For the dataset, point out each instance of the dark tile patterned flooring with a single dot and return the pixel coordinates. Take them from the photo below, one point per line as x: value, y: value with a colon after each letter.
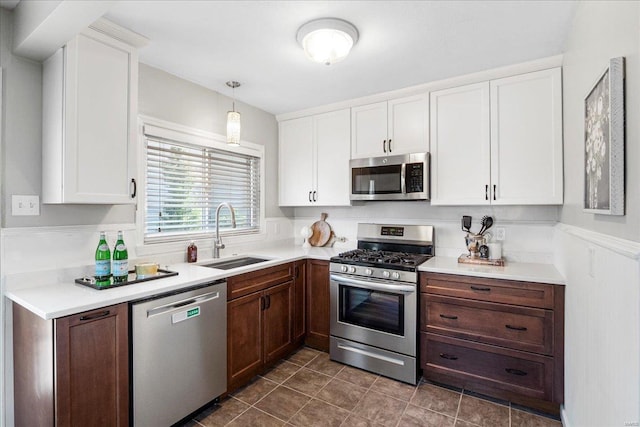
x: 308, y: 389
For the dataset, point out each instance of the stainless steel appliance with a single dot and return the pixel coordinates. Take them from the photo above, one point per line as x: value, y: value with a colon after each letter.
x: 179, y: 353
x: 374, y: 299
x: 402, y: 177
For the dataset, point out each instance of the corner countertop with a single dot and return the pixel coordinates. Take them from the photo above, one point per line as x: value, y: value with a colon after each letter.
x: 65, y: 298
x: 519, y: 271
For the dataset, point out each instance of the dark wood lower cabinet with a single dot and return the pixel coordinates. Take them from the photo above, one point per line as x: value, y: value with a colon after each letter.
x: 260, y: 325
x: 244, y: 339
x: 73, y: 370
x: 318, y: 304
x: 299, y: 303
x: 497, y: 337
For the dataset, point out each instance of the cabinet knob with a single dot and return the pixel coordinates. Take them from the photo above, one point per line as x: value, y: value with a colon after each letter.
x: 516, y: 328
x: 384, y: 145
x: 389, y: 145
x: 310, y: 197
x: 486, y: 192
x: 494, y: 191
x: 446, y: 316
x: 95, y: 315
x: 315, y: 198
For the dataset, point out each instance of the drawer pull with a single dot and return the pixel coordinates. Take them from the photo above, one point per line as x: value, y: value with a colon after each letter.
x: 446, y: 316
x: 478, y: 288
x: 448, y: 356
x: 517, y: 372
x: 516, y: 328
x: 95, y: 316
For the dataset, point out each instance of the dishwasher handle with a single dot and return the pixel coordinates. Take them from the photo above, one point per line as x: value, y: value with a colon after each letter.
x: 179, y: 304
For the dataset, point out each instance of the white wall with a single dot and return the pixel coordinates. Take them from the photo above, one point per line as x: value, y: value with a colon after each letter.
x: 601, y: 30
x: 602, y: 329
x: 165, y: 96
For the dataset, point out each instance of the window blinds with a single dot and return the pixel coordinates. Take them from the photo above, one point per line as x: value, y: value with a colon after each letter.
x: 186, y: 183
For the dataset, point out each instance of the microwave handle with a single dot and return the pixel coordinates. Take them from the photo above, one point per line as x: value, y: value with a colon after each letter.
x: 403, y: 181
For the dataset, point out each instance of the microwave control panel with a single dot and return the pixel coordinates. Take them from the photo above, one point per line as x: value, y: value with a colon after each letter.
x: 414, y: 177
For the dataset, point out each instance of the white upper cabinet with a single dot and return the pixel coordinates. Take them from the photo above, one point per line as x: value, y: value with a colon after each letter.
x: 460, y: 166
x: 89, y: 116
x: 398, y: 126
x: 498, y: 142
x: 526, y: 139
x: 314, y: 160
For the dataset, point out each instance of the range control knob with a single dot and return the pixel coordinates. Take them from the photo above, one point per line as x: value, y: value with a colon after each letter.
x: 352, y: 269
x: 368, y: 271
x: 386, y: 274
x: 344, y: 268
x: 395, y: 275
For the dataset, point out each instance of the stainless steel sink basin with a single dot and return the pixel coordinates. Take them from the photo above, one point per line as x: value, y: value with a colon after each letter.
x: 235, y: 262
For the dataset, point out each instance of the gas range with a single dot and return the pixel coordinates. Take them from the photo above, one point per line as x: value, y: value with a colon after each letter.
x: 374, y: 299
x: 387, y: 251
x: 382, y: 259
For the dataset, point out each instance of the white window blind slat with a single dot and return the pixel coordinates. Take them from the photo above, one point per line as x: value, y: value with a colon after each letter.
x: 185, y: 184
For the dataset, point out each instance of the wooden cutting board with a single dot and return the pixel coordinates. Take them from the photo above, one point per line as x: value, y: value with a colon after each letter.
x: 320, y: 232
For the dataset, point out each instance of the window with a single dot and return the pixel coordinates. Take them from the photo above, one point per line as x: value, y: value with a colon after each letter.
x: 185, y: 183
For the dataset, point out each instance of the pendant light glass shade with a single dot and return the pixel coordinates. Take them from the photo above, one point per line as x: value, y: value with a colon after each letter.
x: 233, y: 128
x: 327, y: 40
x: 233, y: 119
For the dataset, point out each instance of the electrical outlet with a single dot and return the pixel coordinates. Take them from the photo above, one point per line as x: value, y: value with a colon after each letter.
x: 25, y: 205
x: 500, y: 233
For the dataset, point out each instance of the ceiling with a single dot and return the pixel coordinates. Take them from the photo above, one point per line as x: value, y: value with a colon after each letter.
x: 402, y: 43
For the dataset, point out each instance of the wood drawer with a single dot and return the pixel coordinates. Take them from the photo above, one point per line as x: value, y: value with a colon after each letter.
x: 494, y: 290
x: 486, y: 365
x: 520, y: 328
x: 245, y: 284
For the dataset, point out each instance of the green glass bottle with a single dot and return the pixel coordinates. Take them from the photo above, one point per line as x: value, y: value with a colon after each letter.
x: 103, y: 262
x: 120, y: 261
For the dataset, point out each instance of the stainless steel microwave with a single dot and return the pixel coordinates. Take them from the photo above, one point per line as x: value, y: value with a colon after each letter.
x: 402, y: 177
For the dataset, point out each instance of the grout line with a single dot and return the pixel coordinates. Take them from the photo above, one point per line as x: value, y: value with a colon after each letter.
x: 231, y: 397
x: 509, y: 413
x: 455, y: 419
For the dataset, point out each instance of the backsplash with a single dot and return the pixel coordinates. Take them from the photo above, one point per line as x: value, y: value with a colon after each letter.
x: 42, y: 255
x: 528, y: 229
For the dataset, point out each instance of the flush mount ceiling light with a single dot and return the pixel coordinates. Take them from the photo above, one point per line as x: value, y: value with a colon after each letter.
x: 327, y: 40
x: 233, y: 119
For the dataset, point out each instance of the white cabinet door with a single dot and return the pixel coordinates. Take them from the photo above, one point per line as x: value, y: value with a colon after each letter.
x: 332, y: 139
x: 408, y: 125
x: 90, y: 98
x: 369, y: 131
x: 460, y: 165
x: 296, y: 162
x: 526, y: 139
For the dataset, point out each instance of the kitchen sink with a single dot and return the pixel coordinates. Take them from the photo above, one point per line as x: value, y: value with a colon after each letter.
x: 235, y: 262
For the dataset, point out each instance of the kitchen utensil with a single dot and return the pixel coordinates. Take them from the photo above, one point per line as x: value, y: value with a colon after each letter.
x: 487, y: 222
x: 320, y: 232
x: 466, y: 223
x: 305, y: 232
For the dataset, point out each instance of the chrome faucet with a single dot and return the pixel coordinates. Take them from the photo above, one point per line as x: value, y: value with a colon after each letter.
x: 217, y: 243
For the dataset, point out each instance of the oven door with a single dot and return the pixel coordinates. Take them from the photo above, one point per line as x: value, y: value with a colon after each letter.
x: 374, y: 312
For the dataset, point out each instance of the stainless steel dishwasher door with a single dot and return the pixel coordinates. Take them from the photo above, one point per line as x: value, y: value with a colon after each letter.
x: 179, y: 354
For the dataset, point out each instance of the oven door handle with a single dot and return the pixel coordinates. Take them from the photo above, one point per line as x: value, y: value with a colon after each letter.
x: 371, y: 284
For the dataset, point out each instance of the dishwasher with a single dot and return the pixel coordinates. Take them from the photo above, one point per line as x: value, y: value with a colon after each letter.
x: 179, y: 357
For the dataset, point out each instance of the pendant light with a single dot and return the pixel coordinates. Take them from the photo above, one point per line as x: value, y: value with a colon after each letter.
x: 327, y: 40
x: 233, y: 119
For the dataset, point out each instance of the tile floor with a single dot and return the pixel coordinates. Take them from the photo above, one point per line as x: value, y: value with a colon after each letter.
x: 308, y: 389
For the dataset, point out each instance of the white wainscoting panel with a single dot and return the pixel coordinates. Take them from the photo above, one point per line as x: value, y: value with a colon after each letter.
x: 602, y: 327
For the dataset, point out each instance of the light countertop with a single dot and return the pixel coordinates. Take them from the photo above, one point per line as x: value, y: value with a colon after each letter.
x: 519, y: 271
x: 65, y: 298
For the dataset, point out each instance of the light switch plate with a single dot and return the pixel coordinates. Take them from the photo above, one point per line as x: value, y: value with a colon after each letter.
x: 25, y: 205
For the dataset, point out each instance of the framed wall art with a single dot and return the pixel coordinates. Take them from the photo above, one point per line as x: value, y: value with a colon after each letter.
x: 604, y: 142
